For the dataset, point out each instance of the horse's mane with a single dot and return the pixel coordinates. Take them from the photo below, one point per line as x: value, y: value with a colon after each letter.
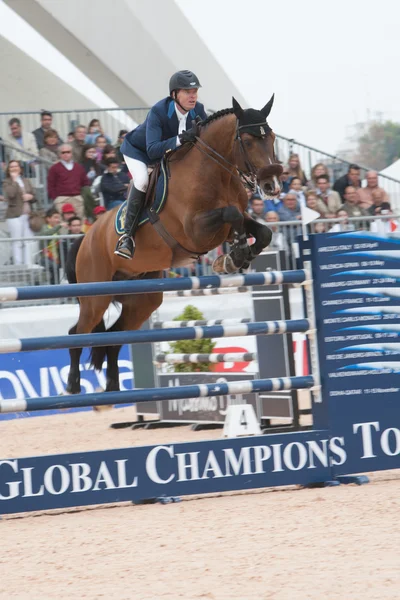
x: 217, y: 115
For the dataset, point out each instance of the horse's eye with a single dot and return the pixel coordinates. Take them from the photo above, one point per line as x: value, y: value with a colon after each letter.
x: 248, y: 143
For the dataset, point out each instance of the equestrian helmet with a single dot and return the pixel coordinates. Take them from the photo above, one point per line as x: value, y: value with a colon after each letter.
x: 183, y: 80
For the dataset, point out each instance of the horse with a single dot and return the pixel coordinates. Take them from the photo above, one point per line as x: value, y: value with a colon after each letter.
x: 206, y: 206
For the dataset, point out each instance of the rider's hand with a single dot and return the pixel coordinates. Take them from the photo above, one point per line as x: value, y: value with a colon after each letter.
x: 187, y: 136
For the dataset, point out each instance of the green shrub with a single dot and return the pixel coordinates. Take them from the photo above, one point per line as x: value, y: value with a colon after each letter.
x: 191, y: 313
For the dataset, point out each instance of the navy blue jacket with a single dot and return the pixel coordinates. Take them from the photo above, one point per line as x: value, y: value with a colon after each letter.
x: 113, y: 187
x: 150, y: 140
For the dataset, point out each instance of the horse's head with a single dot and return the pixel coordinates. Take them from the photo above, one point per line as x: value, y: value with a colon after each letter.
x: 254, y: 147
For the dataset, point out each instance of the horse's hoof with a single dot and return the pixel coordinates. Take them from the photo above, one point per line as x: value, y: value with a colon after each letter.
x: 224, y: 264
x: 102, y: 408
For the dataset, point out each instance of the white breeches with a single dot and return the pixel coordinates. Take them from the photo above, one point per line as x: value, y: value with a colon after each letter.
x: 138, y: 170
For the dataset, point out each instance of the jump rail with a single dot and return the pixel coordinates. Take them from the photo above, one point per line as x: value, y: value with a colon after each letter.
x: 207, y: 292
x: 141, y: 286
x: 165, y: 393
x: 118, y: 338
x: 174, y: 359
x: 178, y: 324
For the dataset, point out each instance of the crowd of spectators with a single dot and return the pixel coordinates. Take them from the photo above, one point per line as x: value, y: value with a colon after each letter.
x: 86, y: 176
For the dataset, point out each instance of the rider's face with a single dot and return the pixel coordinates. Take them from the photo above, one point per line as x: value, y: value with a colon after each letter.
x: 187, y: 98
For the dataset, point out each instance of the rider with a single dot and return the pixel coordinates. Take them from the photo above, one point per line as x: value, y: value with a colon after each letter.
x: 167, y: 125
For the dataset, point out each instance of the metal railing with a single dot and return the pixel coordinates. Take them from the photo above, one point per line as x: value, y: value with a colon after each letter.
x: 43, y: 270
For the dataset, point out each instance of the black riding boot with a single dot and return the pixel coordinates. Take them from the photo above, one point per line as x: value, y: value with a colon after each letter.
x: 125, y: 245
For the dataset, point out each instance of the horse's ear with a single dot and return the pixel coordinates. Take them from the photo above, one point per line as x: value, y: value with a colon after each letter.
x: 237, y: 109
x: 267, y: 108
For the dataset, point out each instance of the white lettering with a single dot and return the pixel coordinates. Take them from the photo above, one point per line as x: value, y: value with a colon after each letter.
x: 27, y: 478
x: 15, y: 382
x: 104, y: 476
x: 213, y: 466
x: 151, y: 468
x: 287, y: 456
x: 321, y: 453
x: 231, y: 461
x: 261, y: 454
x: 277, y: 457
x: 385, y: 445
x: 366, y: 437
x: 49, y: 483
x: 121, y: 468
x: 81, y: 482
x: 13, y: 486
x: 192, y: 466
x: 338, y: 451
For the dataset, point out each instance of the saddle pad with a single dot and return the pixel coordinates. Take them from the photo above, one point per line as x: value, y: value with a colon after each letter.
x: 160, y: 200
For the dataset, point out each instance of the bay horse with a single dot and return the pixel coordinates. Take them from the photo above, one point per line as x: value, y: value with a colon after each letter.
x: 206, y: 206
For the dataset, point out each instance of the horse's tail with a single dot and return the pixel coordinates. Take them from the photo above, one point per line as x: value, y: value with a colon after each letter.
x: 70, y: 265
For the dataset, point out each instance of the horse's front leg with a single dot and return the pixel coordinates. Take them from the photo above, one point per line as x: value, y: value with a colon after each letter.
x: 232, y: 262
x: 262, y: 235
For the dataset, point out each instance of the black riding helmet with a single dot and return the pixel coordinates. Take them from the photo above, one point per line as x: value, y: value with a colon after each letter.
x: 183, y: 80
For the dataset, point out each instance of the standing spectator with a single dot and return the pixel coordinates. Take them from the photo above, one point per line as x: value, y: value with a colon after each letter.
x: 114, y: 184
x: 49, y: 259
x: 120, y: 139
x: 316, y: 171
x: 351, y: 179
x: 94, y: 130
x: 89, y: 162
x: 295, y: 169
x: 284, y: 179
x: 365, y: 193
x: 379, y: 201
x: 74, y: 227
x: 20, y: 140
x: 78, y: 143
x: 49, y: 149
x: 19, y: 196
x: 100, y: 144
x: 278, y: 241
x: 351, y: 203
x: 330, y: 198
x: 313, y: 202
x: 257, y: 208
x: 290, y: 209
x: 46, y: 120
x: 66, y: 180
x: 297, y: 190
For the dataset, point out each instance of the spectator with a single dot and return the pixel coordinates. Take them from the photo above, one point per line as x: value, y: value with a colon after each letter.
x: 319, y: 227
x: 100, y: 144
x: 379, y: 201
x: 278, y: 241
x: 313, y: 202
x: 330, y: 198
x: 98, y: 211
x: 70, y: 137
x: 49, y: 259
x: 351, y: 179
x: 120, y: 139
x: 66, y: 180
x: 114, y: 184
x: 74, y: 227
x: 20, y: 140
x: 46, y: 120
x: 284, y: 179
x: 94, y: 130
x: 290, y: 209
x: 295, y: 169
x: 19, y: 196
x: 78, y: 143
x: 89, y: 163
x: 316, y: 171
x: 365, y: 194
x: 49, y: 148
x: 257, y: 208
x: 67, y: 213
x: 344, y: 225
x: 386, y: 225
x: 108, y: 152
x: 351, y: 205
x: 297, y: 190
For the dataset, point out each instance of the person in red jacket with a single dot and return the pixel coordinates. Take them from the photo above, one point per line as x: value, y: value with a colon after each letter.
x: 65, y: 181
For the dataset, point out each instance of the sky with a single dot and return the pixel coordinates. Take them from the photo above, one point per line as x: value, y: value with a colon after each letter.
x: 330, y: 64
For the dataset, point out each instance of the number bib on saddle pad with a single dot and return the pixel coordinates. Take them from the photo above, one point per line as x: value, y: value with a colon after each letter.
x: 158, y: 204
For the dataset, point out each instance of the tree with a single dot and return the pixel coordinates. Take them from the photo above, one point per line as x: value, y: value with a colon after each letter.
x: 378, y: 144
x: 202, y: 346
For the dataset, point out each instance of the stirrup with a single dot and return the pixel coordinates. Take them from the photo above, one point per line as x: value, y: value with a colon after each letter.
x: 125, y: 252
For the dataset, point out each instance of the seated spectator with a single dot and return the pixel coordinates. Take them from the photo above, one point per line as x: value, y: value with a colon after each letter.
x: 100, y: 144
x: 89, y: 162
x: 46, y: 120
x: 351, y: 203
x: 78, y: 143
x: 114, y: 184
x: 319, y: 227
x: 98, y: 211
x: 366, y: 193
x: 290, y: 209
x: 295, y: 169
x: 297, y: 190
x: 313, y: 202
x: 19, y: 140
x: 278, y: 241
x: 19, y: 196
x: 94, y: 130
x: 67, y: 213
x: 316, y: 171
x: 284, y: 179
x: 257, y: 208
x: 330, y: 198
x: 108, y: 152
x: 379, y: 201
x: 344, y: 224
x: 49, y: 148
x: 49, y: 259
x: 351, y: 179
x: 66, y: 180
x: 120, y: 139
x: 74, y: 227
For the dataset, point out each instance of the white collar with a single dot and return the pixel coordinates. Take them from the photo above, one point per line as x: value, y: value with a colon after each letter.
x: 181, y: 116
